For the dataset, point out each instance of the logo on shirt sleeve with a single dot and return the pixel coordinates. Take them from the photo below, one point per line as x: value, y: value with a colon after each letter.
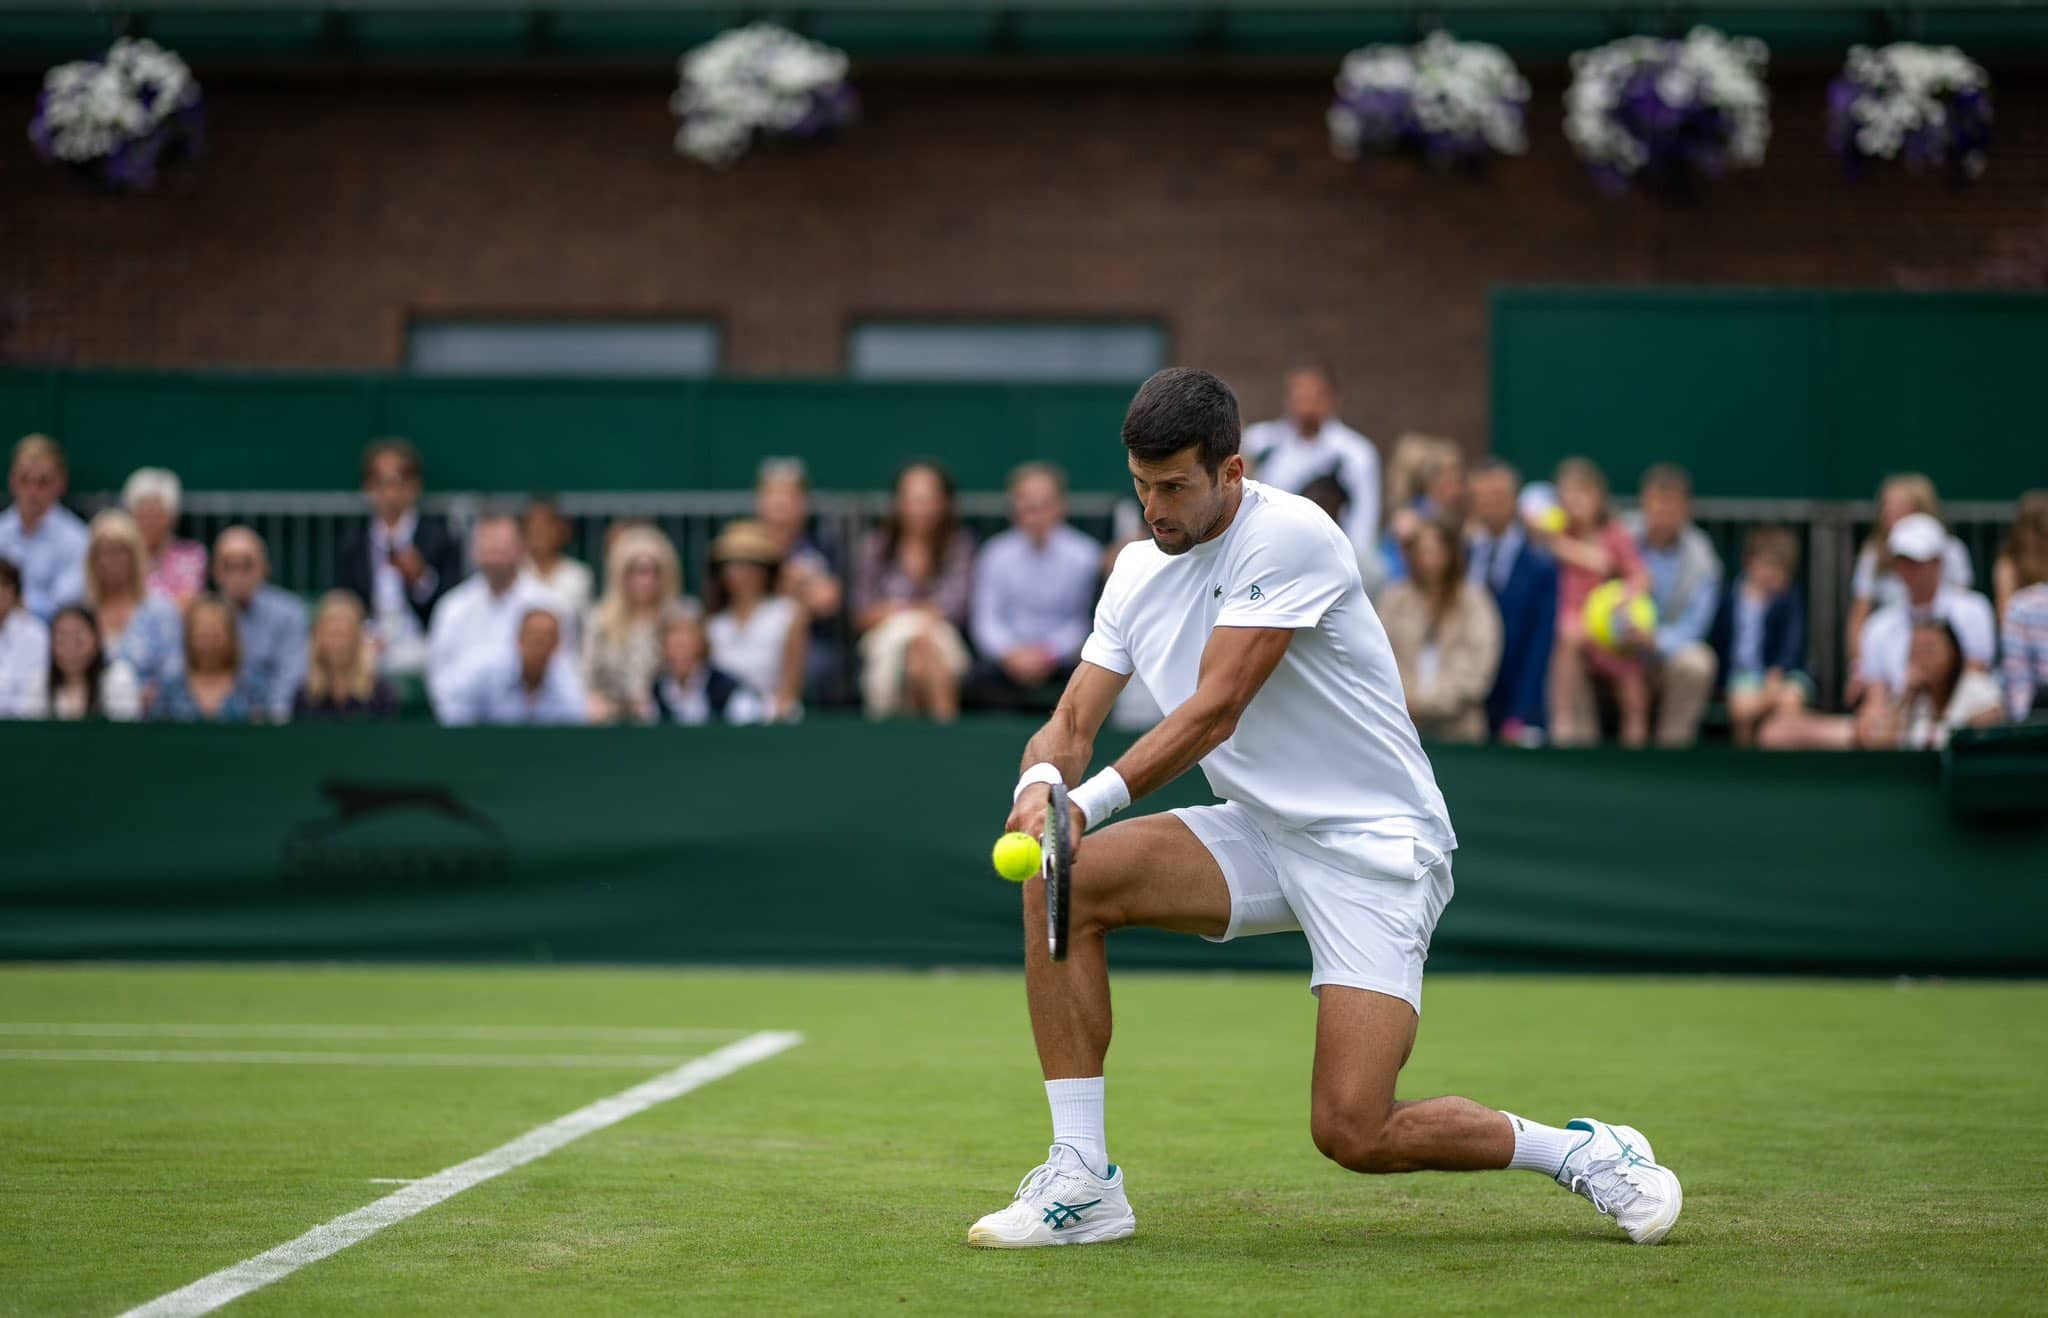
x: 1255, y: 591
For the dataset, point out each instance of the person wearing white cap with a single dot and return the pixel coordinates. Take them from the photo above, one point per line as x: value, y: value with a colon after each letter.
x: 1873, y: 584
x: 1919, y: 546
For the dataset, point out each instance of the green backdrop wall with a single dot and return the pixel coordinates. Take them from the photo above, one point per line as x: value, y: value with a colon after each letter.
x: 850, y: 843
x: 1777, y: 392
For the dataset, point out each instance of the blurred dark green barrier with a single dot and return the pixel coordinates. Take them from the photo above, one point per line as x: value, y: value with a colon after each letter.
x: 841, y: 842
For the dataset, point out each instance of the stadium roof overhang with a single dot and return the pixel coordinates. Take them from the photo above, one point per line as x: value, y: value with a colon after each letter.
x: 644, y: 32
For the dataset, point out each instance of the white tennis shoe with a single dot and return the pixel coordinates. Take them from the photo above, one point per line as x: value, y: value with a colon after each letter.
x: 1616, y: 1170
x: 1061, y: 1202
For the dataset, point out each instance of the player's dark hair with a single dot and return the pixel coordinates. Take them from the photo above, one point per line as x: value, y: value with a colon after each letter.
x: 1181, y: 407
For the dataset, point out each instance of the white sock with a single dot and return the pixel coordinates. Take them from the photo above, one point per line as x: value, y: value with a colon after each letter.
x: 1541, y: 1148
x: 1077, y: 1119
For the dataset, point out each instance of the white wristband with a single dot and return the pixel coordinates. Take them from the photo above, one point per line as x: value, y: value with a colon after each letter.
x: 1041, y: 772
x: 1101, y: 796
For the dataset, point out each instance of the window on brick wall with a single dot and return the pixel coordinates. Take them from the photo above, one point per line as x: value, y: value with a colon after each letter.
x: 563, y: 347
x: 1005, y: 350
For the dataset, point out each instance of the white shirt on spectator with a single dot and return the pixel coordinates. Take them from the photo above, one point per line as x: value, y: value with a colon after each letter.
x: 1037, y: 595
x: 1884, y: 588
x: 571, y: 581
x: 473, y: 627
x: 1282, y: 457
x: 752, y: 651
x: 495, y: 693
x: 1888, y: 635
x: 1974, y: 694
x: 24, y: 665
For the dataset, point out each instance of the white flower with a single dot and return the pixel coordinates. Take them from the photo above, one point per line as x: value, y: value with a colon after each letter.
x: 1706, y: 68
x: 93, y: 108
x: 1904, y: 88
x: 757, y: 78
x: 1465, y: 90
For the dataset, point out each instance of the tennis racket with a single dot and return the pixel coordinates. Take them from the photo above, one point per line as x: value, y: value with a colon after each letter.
x: 1057, y: 865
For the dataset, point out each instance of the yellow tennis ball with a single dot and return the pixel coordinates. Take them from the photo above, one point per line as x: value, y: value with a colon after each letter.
x: 1017, y: 856
x: 1553, y: 519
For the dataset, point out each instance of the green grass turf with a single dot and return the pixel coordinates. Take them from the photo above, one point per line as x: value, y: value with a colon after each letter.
x: 1845, y: 1148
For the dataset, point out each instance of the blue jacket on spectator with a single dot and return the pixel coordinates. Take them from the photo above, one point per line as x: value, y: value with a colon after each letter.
x: 1524, y: 583
x: 1783, y: 641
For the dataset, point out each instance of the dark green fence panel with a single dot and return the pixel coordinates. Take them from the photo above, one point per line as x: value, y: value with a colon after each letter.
x: 1776, y: 393
x: 849, y: 843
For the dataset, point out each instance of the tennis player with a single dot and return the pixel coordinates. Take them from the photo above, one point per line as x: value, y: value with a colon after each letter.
x: 1245, y: 616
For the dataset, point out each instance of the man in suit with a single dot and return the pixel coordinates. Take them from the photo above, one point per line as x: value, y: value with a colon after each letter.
x: 1523, y: 580
x: 399, y: 562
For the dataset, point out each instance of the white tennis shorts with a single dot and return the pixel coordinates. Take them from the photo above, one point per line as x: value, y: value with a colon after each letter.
x: 1368, y: 902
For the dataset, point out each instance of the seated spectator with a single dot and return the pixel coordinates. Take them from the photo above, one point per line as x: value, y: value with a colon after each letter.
x: 272, y: 622
x: 1685, y: 585
x: 545, y: 532
x: 1938, y: 694
x: 1523, y: 580
x: 83, y: 683
x: 2023, y: 634
x: 400, y: 562
x: 810, y: 574
x: 1760, y: 634
x: 1875, y: 584
x: 533, y: 683
x: 910, y: 599
x: 688, y: 690
x: 1034, y: 596
x: 24, y: 651
x: 212, y: 687
x: 137, y: 627
x: 177, y: 568
x: 477, y: 623
x: 643, y: 580
x: 1425, y: 481
x: 1446, y: 636
x: 1309, y: 442
x: 1591, y: 549
x: 38, y: 534
x: 341, y: 683
x: 1919, y: 555
x: 756, y: 634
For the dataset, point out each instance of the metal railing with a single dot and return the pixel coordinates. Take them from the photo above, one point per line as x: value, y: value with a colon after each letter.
x: 304, y: 530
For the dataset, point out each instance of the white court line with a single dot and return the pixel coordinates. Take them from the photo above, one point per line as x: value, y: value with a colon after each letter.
x: 556, y: 1033
x: 279, y: 1057
x: 230, y: 1284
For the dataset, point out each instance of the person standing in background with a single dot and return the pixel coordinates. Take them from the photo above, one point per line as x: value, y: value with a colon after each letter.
x: 341, y: 667
x: 1446, y: 635
x: 1876, y: 582
x: 400, y: 562
x: 1523, y: 580
x: 271, y: 622
x: 545, y: 533
x: 1685, y: 585
x: 1308, y: 442
x: 1034, y: 596
x: 177, y: 568
x: 911, y: 597
x: 2023, y: 610
x: 38, y: 534
x: 24, y: 651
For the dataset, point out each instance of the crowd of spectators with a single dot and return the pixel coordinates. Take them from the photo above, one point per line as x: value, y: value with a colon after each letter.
x: 1521, y: 613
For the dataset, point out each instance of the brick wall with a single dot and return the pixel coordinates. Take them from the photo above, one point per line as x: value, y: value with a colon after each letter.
x: 329, y: 210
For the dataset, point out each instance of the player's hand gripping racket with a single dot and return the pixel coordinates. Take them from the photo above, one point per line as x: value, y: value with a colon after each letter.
x: 1057, y: 865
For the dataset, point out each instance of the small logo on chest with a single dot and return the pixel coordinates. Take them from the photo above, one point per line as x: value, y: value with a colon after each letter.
x: 1219, y: 592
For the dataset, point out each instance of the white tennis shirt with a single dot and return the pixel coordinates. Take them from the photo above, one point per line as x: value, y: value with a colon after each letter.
x: 1326, y: 747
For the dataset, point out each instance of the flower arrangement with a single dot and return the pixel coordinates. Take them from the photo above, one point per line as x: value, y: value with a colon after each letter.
x: 1668, y: 113
x: 758, y: 79
x: 1442, y: 100
x: 121, y: 117
x: 1931, y: 104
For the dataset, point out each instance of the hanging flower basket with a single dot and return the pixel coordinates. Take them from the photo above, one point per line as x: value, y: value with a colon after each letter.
x: 1665, y: 115
x: 1927, y: 105
x: 121, y: 119
x: 1442, y: 101
x: 758, y: 81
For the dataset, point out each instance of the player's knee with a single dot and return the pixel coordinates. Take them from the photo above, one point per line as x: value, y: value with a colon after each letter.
x: 1356, y: 1142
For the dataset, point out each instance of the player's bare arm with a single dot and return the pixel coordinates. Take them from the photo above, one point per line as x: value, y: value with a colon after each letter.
x: 1067, y: 741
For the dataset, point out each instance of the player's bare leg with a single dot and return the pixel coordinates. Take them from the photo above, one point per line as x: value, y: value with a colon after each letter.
x: 1148, y: 871
x: 1362, y: 1041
